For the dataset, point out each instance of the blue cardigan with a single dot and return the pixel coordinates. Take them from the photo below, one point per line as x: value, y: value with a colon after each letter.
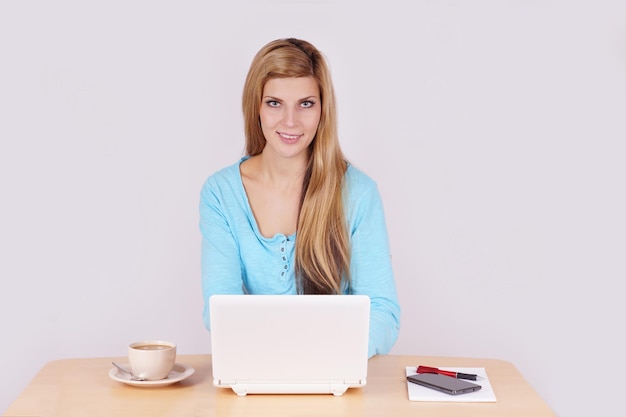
x: 237, y: 259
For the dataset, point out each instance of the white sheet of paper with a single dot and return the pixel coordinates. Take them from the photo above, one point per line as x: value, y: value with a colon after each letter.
x: 484, y: 395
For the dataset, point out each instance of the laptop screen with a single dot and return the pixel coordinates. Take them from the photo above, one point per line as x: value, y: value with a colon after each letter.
x: 286, y: 343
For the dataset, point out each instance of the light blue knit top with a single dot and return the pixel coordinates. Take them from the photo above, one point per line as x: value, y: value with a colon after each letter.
x: 237, y: 259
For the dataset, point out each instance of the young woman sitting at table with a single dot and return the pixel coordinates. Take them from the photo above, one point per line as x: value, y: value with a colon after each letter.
x: 293, y: 216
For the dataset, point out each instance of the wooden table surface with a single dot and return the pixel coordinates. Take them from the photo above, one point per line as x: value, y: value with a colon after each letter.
x: 82, y: 387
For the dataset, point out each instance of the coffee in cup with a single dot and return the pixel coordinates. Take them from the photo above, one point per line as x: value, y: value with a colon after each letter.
x: 152, y: 359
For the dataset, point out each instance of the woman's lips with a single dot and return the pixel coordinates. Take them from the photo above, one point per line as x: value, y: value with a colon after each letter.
x: 288, y: 138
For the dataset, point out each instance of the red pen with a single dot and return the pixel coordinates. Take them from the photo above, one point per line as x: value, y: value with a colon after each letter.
x: 458, y: 375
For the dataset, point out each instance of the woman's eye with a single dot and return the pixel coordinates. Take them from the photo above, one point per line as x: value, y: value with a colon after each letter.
x: 273, y: 103
x: 307, y: 103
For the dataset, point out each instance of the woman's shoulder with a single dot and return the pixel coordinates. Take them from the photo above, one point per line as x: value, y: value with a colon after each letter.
x: 362, y: 197
x: 357, y: 180
x: 226, y: 175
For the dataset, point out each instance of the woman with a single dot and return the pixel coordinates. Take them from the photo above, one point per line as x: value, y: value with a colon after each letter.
x: 293, y: 216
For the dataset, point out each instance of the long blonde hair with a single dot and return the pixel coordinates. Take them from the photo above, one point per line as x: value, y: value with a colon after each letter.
x: 322, y: 263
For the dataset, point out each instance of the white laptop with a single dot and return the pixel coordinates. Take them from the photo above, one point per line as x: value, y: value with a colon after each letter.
x: 289, y: 344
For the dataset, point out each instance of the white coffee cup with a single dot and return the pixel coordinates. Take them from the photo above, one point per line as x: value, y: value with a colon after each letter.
x: 152, y: 359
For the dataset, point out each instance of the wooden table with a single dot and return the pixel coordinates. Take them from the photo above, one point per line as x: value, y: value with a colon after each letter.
x: 82, y: 387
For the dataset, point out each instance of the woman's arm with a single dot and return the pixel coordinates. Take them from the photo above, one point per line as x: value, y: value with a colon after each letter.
x: 220, y: 260
x: 371, y: 270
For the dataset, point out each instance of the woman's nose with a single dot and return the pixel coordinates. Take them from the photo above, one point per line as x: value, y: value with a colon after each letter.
x: 289, y: 117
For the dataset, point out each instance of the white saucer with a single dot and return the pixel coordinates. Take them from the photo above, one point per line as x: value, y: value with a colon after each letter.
x: 178, y: 373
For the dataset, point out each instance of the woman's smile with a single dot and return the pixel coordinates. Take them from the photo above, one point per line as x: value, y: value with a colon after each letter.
x: 287, y: 138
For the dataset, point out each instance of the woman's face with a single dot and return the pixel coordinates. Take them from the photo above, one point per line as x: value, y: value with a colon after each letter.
x: 290, y: 113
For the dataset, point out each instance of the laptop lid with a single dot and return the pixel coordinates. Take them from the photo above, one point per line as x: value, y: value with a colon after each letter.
x: 289, y: 343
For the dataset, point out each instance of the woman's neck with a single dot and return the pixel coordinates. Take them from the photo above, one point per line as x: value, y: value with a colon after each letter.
x: 282, y: 173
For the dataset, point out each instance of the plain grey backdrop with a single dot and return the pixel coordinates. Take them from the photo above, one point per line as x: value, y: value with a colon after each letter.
x: 494, y: 129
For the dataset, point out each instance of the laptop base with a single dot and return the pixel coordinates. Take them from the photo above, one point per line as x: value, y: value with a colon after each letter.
x: 334, y: 388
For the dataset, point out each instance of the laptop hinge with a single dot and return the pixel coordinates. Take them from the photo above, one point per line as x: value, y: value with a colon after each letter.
x: 222, y: 382
x: 354, y: 382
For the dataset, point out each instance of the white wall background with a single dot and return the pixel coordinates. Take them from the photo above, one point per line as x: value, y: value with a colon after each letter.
x: 495, y: 130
